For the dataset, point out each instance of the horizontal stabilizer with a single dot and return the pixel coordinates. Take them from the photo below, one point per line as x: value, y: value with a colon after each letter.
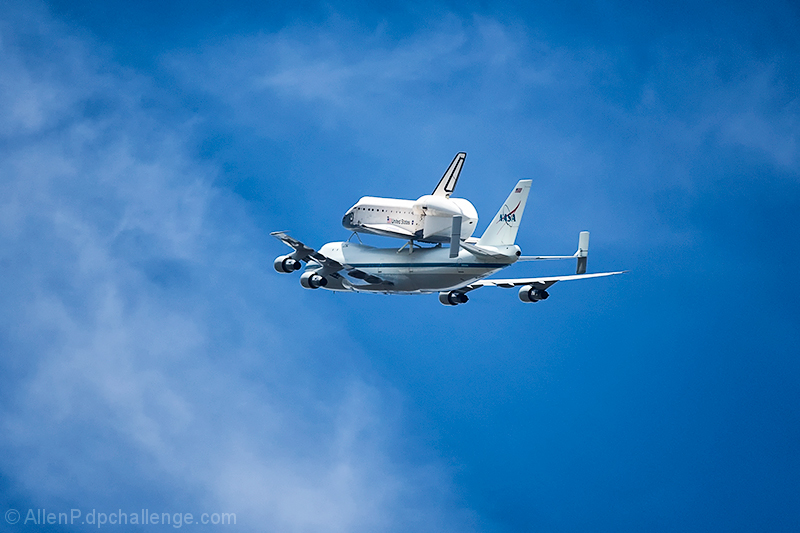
x: 544, y: 257
x: 582, y: 254
x: 482, y: 252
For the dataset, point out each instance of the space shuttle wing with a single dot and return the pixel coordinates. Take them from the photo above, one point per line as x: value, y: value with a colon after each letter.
x: 389, y: 229
x: 330, y: 267
x: 538, y: 283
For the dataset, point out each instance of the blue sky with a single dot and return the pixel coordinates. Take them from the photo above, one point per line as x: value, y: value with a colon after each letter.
x: 151, y: 357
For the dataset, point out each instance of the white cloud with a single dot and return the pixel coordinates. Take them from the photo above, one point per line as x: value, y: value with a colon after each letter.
x: 151, y: 365
x: 696, y: 98
x: 749, y: 117
x: 568, y: 114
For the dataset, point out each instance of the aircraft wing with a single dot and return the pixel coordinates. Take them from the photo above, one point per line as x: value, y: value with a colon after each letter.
x: 301, y: 251
x: 330, y: 267
x: 539, y: 283
x: 389, y: 228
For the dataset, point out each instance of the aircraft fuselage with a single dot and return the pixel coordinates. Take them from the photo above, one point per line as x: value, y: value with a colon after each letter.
x: 423, y: 270
x: 427, y: 219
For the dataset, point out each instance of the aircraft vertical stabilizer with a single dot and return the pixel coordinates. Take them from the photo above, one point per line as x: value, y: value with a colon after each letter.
x: 448, y: 182
x: 504, y: 226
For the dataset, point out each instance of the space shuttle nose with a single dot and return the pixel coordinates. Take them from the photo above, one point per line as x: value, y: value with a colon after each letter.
x: 347, y: 221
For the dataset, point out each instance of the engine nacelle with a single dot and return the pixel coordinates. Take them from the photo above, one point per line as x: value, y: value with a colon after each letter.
x: 529, y: 293
x: 312, y: 280
x: 453, y: 298
x: 286, y: 264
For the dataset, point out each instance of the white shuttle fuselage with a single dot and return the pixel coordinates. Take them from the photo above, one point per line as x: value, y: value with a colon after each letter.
x: 427, y: 219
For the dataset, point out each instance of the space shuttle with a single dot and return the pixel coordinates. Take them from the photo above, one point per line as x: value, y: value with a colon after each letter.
x: 431, y: 218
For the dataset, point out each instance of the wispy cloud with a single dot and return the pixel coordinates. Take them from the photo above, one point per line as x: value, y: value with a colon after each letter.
x: 151, y: 357
x: 147, y: 361
x: 581, y: 120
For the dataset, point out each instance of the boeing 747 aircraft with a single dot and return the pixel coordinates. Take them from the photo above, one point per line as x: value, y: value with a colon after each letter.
x: 452, y: 272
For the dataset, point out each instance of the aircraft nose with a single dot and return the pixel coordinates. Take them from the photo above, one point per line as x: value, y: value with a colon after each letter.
x: 347, y: 220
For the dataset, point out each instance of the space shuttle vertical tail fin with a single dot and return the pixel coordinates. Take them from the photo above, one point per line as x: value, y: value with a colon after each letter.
x: 583, y: 252
x: 503, y: 228
x: 448, y: 182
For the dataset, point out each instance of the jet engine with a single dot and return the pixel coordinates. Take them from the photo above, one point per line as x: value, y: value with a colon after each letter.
x: 286, y: 264
x: 453, y: 298
x: 529, y: 293
x: 312, y: 280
